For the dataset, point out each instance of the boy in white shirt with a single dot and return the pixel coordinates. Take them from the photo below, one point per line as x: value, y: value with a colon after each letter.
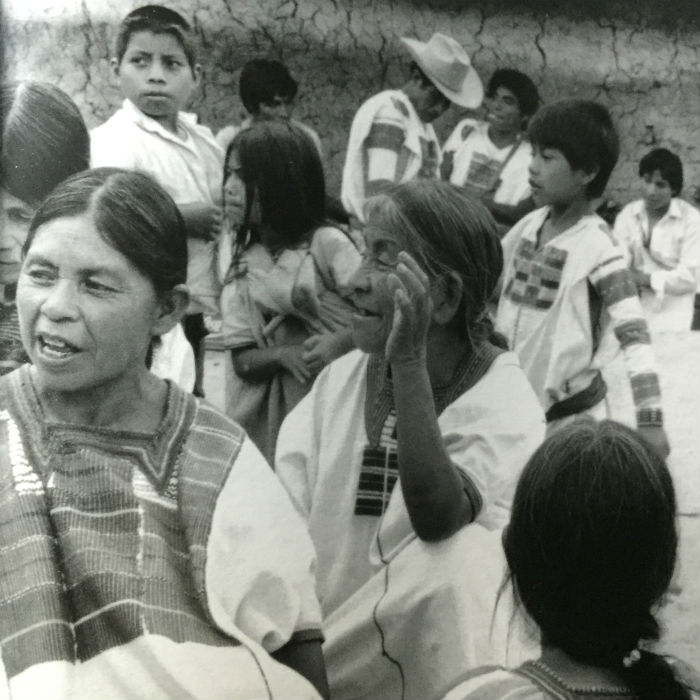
x: 661, y: 233
x: 562, y: 272
x: 157, y: 71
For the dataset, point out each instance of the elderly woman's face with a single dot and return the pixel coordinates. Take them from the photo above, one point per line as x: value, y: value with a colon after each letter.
x: 86, y: 313
x: 371, y: 293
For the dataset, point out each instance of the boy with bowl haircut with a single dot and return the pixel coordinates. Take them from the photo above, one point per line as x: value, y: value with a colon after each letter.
x: 562, y: 270
x: 661, y: 233
x: 155, y: 65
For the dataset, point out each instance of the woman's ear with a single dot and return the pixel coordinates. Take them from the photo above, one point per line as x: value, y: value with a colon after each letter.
x: 171, y: 308
x: 447, y: 295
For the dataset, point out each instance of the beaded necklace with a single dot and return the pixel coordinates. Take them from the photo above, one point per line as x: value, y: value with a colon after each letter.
x: 537, y: 669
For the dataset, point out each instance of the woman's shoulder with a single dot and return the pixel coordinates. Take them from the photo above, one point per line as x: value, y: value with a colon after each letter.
x: 493, y: 683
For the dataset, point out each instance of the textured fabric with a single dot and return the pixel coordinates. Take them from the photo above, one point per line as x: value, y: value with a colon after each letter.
x: 529, y: 682
x: 189, y: 166
x: 545, y: 309
x: 473, y: 161
x: 116, y: 545
x: 670, y: 254
x: 12, y: 353
x: 283, y: 301
x: 388, y: 143
x: 489, y: 432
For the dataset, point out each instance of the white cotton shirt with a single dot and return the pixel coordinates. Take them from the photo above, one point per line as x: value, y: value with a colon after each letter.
x: 489, y: 433
x: 189, y: 166
x: 476, y: 160
x: 671, y: 257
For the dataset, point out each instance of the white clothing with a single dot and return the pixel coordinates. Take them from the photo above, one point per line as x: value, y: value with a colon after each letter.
x: 402, y: 615
x: 173, y: 358
x: 388, y: 143
x: 189, y: 166
x: 545, y: 308
x: 670, y: 254
x: 476, y: 162
x: 489, y: 432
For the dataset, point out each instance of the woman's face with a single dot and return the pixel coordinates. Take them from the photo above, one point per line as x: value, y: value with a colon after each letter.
x: 371, y: 292
x: 15, y: 216
x: 234, y: 191
x: 87, y: 315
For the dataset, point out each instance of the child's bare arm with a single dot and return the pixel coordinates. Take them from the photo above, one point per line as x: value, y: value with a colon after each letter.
x: 258, y: 364
x: 203, y: 221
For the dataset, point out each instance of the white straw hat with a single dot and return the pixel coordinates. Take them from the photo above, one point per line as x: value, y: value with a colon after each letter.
x: 448, y: 66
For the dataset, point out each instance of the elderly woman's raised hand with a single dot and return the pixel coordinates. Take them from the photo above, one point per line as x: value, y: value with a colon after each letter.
x: 412, y: 312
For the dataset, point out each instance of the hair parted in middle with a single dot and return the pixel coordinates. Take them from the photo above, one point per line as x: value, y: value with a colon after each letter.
x: 132, y: 213
x: 281, y: 169
x: 583, y: 131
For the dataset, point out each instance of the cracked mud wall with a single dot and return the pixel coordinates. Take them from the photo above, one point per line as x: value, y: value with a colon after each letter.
x: 644, y: 66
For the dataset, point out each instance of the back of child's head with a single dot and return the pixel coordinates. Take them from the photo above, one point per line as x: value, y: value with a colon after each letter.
x: 520, y: 85
x: 446, y: 230
x: 668, y: 165
x: 44, y: 139
x: 132, y: 213
x: 591, y: 548
x: 262, y: 80
x: 157, y: 20
x: 584, y: 133
x: 282, y: 170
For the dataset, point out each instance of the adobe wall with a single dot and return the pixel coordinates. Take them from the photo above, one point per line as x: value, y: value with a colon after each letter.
x: 644, y: 66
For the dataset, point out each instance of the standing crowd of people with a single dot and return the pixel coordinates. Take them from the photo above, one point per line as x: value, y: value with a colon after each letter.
x: 415, y: 489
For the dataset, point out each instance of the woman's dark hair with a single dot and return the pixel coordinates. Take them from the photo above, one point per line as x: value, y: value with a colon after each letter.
x: 281, y: 169
x: 520, y: 85
x: 263, y: 79
x: 591, y: 548
x: 132, y: 213
x: 44, y: 139
x: 667, y: 163
x: 446, y: 230
x: 584, y: 133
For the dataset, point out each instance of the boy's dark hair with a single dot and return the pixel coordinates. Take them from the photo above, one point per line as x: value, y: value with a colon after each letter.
x: 591, y: 548
x: 520, y: 85
x: 584, y: 133
x: 262, y: 80
x: 158, y: 20
x: 281, y: 169
x: 667, y: 163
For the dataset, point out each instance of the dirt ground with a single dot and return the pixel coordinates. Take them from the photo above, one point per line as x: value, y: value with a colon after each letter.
x: 679, y: 362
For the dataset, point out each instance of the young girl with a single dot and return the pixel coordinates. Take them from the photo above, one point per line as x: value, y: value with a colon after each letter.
x: 284, y: 311
x: 44, y: 141
x: 591, y: 548
x: 404, y: 456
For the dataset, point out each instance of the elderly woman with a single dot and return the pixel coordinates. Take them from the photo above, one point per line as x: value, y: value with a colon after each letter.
x: 138, y: 523
x: 404, y: 456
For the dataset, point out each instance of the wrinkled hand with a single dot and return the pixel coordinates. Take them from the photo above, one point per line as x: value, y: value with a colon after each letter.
x: 203, y: 221
x: 657, y: 438
x: 320, y: 350
x: 413, y: 307
x: 290, y: 358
